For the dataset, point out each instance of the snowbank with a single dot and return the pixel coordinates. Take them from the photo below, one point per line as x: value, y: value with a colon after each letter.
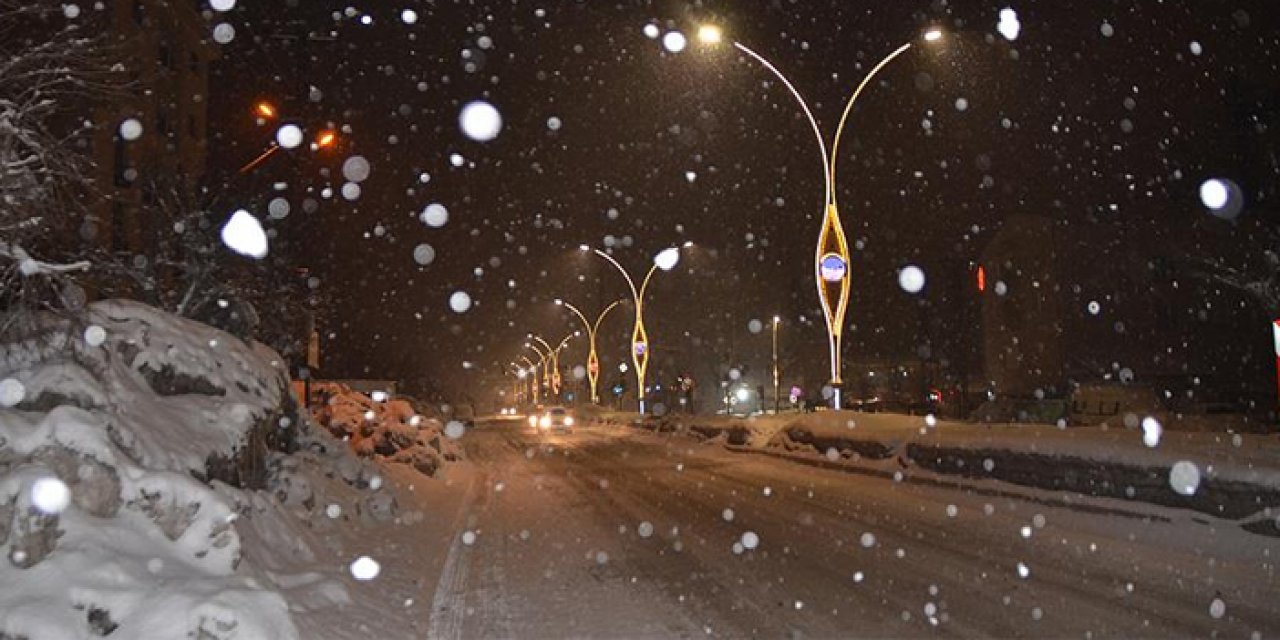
x: 390, y: 429
x: 155, y: 482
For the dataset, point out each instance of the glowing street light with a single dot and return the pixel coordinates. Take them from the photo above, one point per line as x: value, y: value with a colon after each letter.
x: 551, y: 358
x: 531, y: 372
x: 709, y: 34
x: 543, y: 360
x: 831, y: 257
x: 517, y: 374
x: 324, y: 140
x: 265, y: 110
x: 555, y: 364
x: 593, y: 361
x: 666, y: 260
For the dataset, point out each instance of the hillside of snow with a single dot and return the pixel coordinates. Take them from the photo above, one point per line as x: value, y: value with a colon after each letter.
x: 156, y: 481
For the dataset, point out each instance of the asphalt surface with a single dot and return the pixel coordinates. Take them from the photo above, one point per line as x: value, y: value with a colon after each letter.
x: 607, y: 532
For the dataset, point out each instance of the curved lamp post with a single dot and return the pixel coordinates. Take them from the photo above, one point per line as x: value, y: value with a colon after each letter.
x: 517, y: 378
x: 665, y: 260
x: 549, y: 370
x: 777, y: 379
x: 556, y: 379
x: 551, y: 358
x: 593, y: 361
x: 531, y: 373
x: 543, y: 359
x: 831, y: 258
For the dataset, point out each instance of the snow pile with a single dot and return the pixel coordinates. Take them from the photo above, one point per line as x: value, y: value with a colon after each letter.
x: 390, y: 429
x: 110, y: 422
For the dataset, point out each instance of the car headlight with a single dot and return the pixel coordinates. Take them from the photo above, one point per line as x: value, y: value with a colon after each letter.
x: 533, y: 421
x: 568, y: 421
x: 545, y: 421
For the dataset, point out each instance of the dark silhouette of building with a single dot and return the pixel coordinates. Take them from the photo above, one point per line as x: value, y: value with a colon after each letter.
x: 164, y: 54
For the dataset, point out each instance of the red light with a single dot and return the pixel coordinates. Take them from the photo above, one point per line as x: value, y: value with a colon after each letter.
x: 1275, y: 332
x: 982, y: 279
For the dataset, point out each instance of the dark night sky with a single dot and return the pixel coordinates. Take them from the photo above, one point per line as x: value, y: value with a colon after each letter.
x: 1099, y: 115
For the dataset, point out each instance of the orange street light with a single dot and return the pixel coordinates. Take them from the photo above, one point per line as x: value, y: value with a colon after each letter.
x: 324, y: 140
x: 265, y: 110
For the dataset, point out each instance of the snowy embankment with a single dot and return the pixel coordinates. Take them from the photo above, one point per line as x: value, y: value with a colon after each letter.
x: 156, y: 482
x: 1229, y: 475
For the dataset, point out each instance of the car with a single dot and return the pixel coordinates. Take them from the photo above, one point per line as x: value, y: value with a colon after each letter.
x: 872, y: 404
x: 556, y: 419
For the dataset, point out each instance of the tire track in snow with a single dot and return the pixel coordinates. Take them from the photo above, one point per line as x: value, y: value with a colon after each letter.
x: 449, y: 605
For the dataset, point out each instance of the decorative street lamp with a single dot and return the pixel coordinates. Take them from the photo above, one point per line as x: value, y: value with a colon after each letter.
x: 665, y: 260
x: 544, y: 358
x: 547, y: 358
x: 555, y: 364
x: 593, y: 361
x: 532, y: 370
x: 550, y: 358
x: 776, y: 378
x: 517, y: 383
x: 831, y: 258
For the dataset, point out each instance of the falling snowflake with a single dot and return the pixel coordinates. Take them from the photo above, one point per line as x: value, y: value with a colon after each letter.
x: 95, y: 335
x: 480, y: 121
x: 911, y: 279
x: 460, y: 301
x: 244, y: 235
x: 365, y: 568
x: 130, y: 129
x: 434, y: 215
x: 289, y: 136
x: 674, y: 41
x: 50, y: 495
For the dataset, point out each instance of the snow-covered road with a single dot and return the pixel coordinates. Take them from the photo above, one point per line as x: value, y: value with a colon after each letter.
x: 608, y: 532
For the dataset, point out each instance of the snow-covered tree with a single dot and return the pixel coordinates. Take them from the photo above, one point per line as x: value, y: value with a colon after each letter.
x: 188, y: 270
x: 51, y: 73
x: 1258, y: 277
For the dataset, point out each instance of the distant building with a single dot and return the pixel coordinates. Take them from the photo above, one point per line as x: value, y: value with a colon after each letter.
x: 1022, y: 312
x: 1060, y: 308
x: 165, y: 52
